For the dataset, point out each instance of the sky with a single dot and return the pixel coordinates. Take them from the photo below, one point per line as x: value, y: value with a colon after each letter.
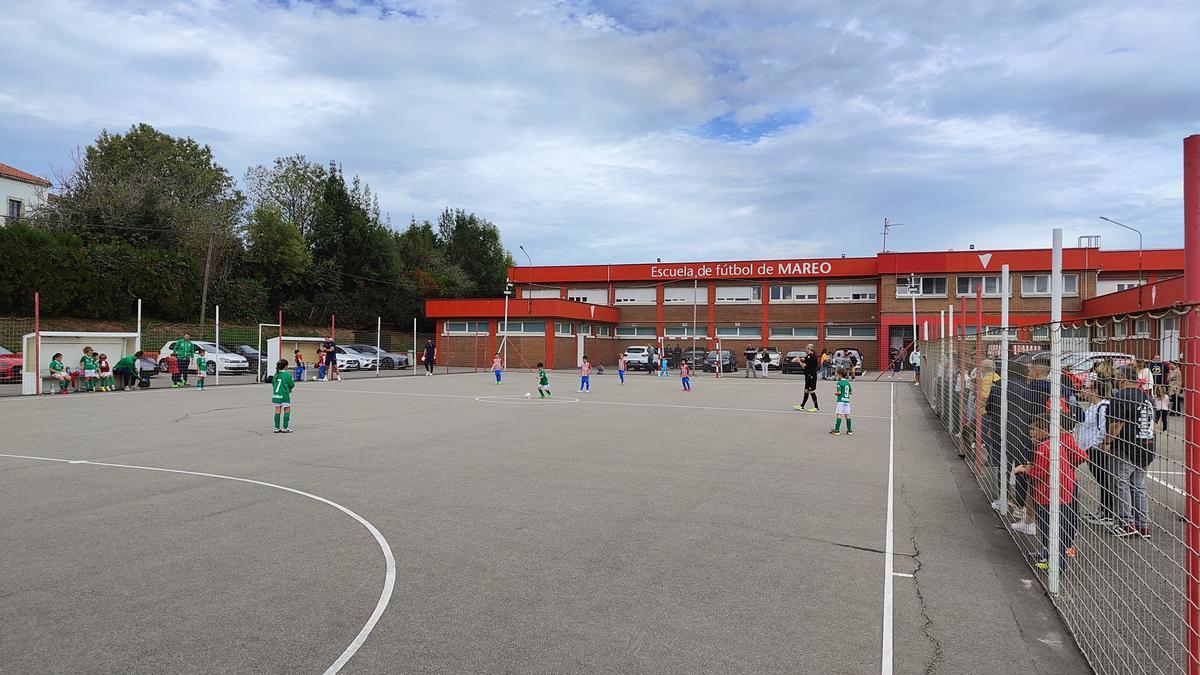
x: 612, y: 131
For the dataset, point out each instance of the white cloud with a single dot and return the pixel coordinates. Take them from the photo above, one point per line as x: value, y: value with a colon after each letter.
x: 573, y: 125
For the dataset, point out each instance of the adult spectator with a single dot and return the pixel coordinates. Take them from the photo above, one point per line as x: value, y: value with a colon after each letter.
x: 183, y: 350
x: 429, y: 357
x: 1131, y: 441
x: 915, y: 359
x: 988, y: 410
x: 126, y: 370
x: 852, y: 357
x: 1175, y: 387
x: 1022, y: 407
x: 764, y: 360
x: 678, y: 355
x: 329, y: 347
x: 751, y: 356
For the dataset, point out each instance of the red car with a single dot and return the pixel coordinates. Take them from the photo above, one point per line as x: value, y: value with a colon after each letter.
x: 10, y: 367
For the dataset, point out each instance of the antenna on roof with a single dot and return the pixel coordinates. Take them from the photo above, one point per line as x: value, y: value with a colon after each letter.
x: 888, y: 225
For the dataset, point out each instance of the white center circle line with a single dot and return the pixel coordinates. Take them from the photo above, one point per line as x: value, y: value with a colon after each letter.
x: 389, y: 578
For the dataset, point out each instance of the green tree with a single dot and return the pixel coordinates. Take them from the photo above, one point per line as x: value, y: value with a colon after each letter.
x: 292, y: 186
x: 276, y: 254
x: 474, y: 243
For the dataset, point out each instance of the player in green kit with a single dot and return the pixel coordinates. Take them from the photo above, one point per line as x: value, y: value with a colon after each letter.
x: 841, y: 408
x: 201, y: 368
x: 58, y: 371
x: 87, y: 363
x: 281, y: 395
x: 543, y: 382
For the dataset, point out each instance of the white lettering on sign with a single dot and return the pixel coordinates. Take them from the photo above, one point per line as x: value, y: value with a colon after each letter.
x: 741, y: 270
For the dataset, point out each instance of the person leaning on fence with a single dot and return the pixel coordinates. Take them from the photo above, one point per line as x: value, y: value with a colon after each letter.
x: 1090, y: 435
x: 1041, y: 492
x: 126, y: 370
x: 1131, y: 440
x: 915, y: 359
x: 1022, y: 408
x: 988, y: 411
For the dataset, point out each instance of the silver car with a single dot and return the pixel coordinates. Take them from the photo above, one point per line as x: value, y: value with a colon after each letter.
x: 387, y: 360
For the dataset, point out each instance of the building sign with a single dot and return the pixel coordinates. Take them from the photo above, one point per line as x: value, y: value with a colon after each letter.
x: 742, y: 270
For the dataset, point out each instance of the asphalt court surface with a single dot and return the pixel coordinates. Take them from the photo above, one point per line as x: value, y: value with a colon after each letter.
x: 632, y: 528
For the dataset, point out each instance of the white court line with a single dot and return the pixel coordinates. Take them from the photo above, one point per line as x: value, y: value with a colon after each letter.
x: 629, y: 403
x: 888, y: 547
x: 902, y: 574
x: 1164, y: 483
x: 1169, y: 473
x: 389, y: 578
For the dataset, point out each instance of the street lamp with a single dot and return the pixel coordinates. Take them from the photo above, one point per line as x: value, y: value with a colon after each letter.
x: 1139, y: 234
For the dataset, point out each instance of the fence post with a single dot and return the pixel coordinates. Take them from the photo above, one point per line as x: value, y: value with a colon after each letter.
x: 378, y: 342
x: 1056, y: 290
x: 979, y: 375
x: 137, y: 343
x: 941, y: 383
x: 1191, y: 378
x: 37, y: 343
x: 217, y: 339
x: 412, y: 367
x: 1005, y: 289
x: 950, y: 374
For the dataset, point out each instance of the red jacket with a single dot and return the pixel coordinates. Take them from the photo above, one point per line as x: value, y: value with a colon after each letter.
x: 1070, y: 457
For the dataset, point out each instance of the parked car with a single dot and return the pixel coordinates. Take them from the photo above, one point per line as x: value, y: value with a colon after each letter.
x: 387, y: 360
x: 841, y: 359
x: 251, y: 355
x: 695, y: 357
x: 361, y: 361
x: 728, y: 364
x: 793, y: 362
x: 10, y: 367
x: 227, y: 362
x: 637, y: 358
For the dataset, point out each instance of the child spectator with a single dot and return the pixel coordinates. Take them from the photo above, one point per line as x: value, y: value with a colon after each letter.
x: 201, y: 368
x: 281, y: 396
x: 621, y: 367
x: 497, y: 367
x: 87, y: 363
x: 1090, y: 437
x: 58, y: 371
x: 543, y: 382
x: 585, y: 375
x: 685, y: 375
x: 299, y: 365
x: 841, y: 405
x: 1040, y: 493
x: 105, y: 373
x: 662, y: 365
x: 320, y: 366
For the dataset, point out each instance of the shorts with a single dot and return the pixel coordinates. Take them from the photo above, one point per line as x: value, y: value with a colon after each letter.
x: 841, y: 409
x: 89, y: 373
x: 282, y: 404
x: 810, y: 382
x: 202, y: 374
x: 917, y: 370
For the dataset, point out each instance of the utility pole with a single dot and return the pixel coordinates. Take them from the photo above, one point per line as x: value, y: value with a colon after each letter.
x: 204, y: 291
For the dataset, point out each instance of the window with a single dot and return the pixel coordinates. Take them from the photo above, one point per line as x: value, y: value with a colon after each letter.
x: 14, y: 209
x: 794, y: 332
x: 997, y: 333
x: 797, y: 293
x: 635, y: 296
x: 931, y: 286
x: 1100, y: 332
x: 1141, y: 328
x: 1126, y: 285
x: 603, y: 331
x: 850, y: 293
x: 729, y: 295
x: 523, y: 328
x: 1039, y: 333
x: 564, y: 329
x: 593, y: 296
x: 684, y: 295
x: 1074, y: 332
x: 636, y: 331
x: 541, y: 293
x: 850, y: 332
x: 1039, y: 284
x: 1120, y: 330
x: 685, y: 331
x: 992, y: 286
x: 466, y: 328
x: 739, y: 331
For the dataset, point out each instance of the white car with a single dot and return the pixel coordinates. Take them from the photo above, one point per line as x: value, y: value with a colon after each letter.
x: 354, y: 359
x: 637, y: 358
x: 226, y: 362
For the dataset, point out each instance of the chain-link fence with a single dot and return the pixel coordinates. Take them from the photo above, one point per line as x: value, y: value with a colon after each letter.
x: 1111, y: 542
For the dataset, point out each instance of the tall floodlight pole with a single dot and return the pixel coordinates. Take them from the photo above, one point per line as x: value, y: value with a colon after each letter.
x: 504, y: 340
x: 1139, y: 234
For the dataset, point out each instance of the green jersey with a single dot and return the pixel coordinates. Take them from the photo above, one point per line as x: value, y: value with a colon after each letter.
x: 202, y: 364
x: 542, y: 379
x: 127, y: 363
x: 184, y: 349
x: 57, y: 366
x: 843, y: 391
x: 281, y: 387
x: 87, y: 362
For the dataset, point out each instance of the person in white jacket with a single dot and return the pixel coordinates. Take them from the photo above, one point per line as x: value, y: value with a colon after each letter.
x: 915, y: 359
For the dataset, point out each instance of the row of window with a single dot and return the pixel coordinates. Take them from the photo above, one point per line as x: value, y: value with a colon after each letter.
x: 568, y: 329
x: 1032, y: 285
x: 723, y: 295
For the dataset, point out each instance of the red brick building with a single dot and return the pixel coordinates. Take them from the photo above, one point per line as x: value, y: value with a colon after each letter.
x: 559, y: 312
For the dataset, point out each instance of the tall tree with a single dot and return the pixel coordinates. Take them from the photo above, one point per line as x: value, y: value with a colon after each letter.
x: 275, y: 253
x: 474, y: 243
x: 292, y: 187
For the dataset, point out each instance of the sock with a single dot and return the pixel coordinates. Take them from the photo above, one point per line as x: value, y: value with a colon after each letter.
x: 849, y: 425
x: 287, y: 416
x: 804, y: 400
x: 815, y: 404
x: 276, y: 420
x: 837, y: 424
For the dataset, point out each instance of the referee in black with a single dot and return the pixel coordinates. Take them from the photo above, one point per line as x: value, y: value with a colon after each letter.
x: 811, y: 363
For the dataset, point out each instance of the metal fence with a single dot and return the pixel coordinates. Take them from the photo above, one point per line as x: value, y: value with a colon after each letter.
x: 1115, y: 548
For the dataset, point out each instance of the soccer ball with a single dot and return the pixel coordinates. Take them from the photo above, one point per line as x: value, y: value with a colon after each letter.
x: 528, y: 395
